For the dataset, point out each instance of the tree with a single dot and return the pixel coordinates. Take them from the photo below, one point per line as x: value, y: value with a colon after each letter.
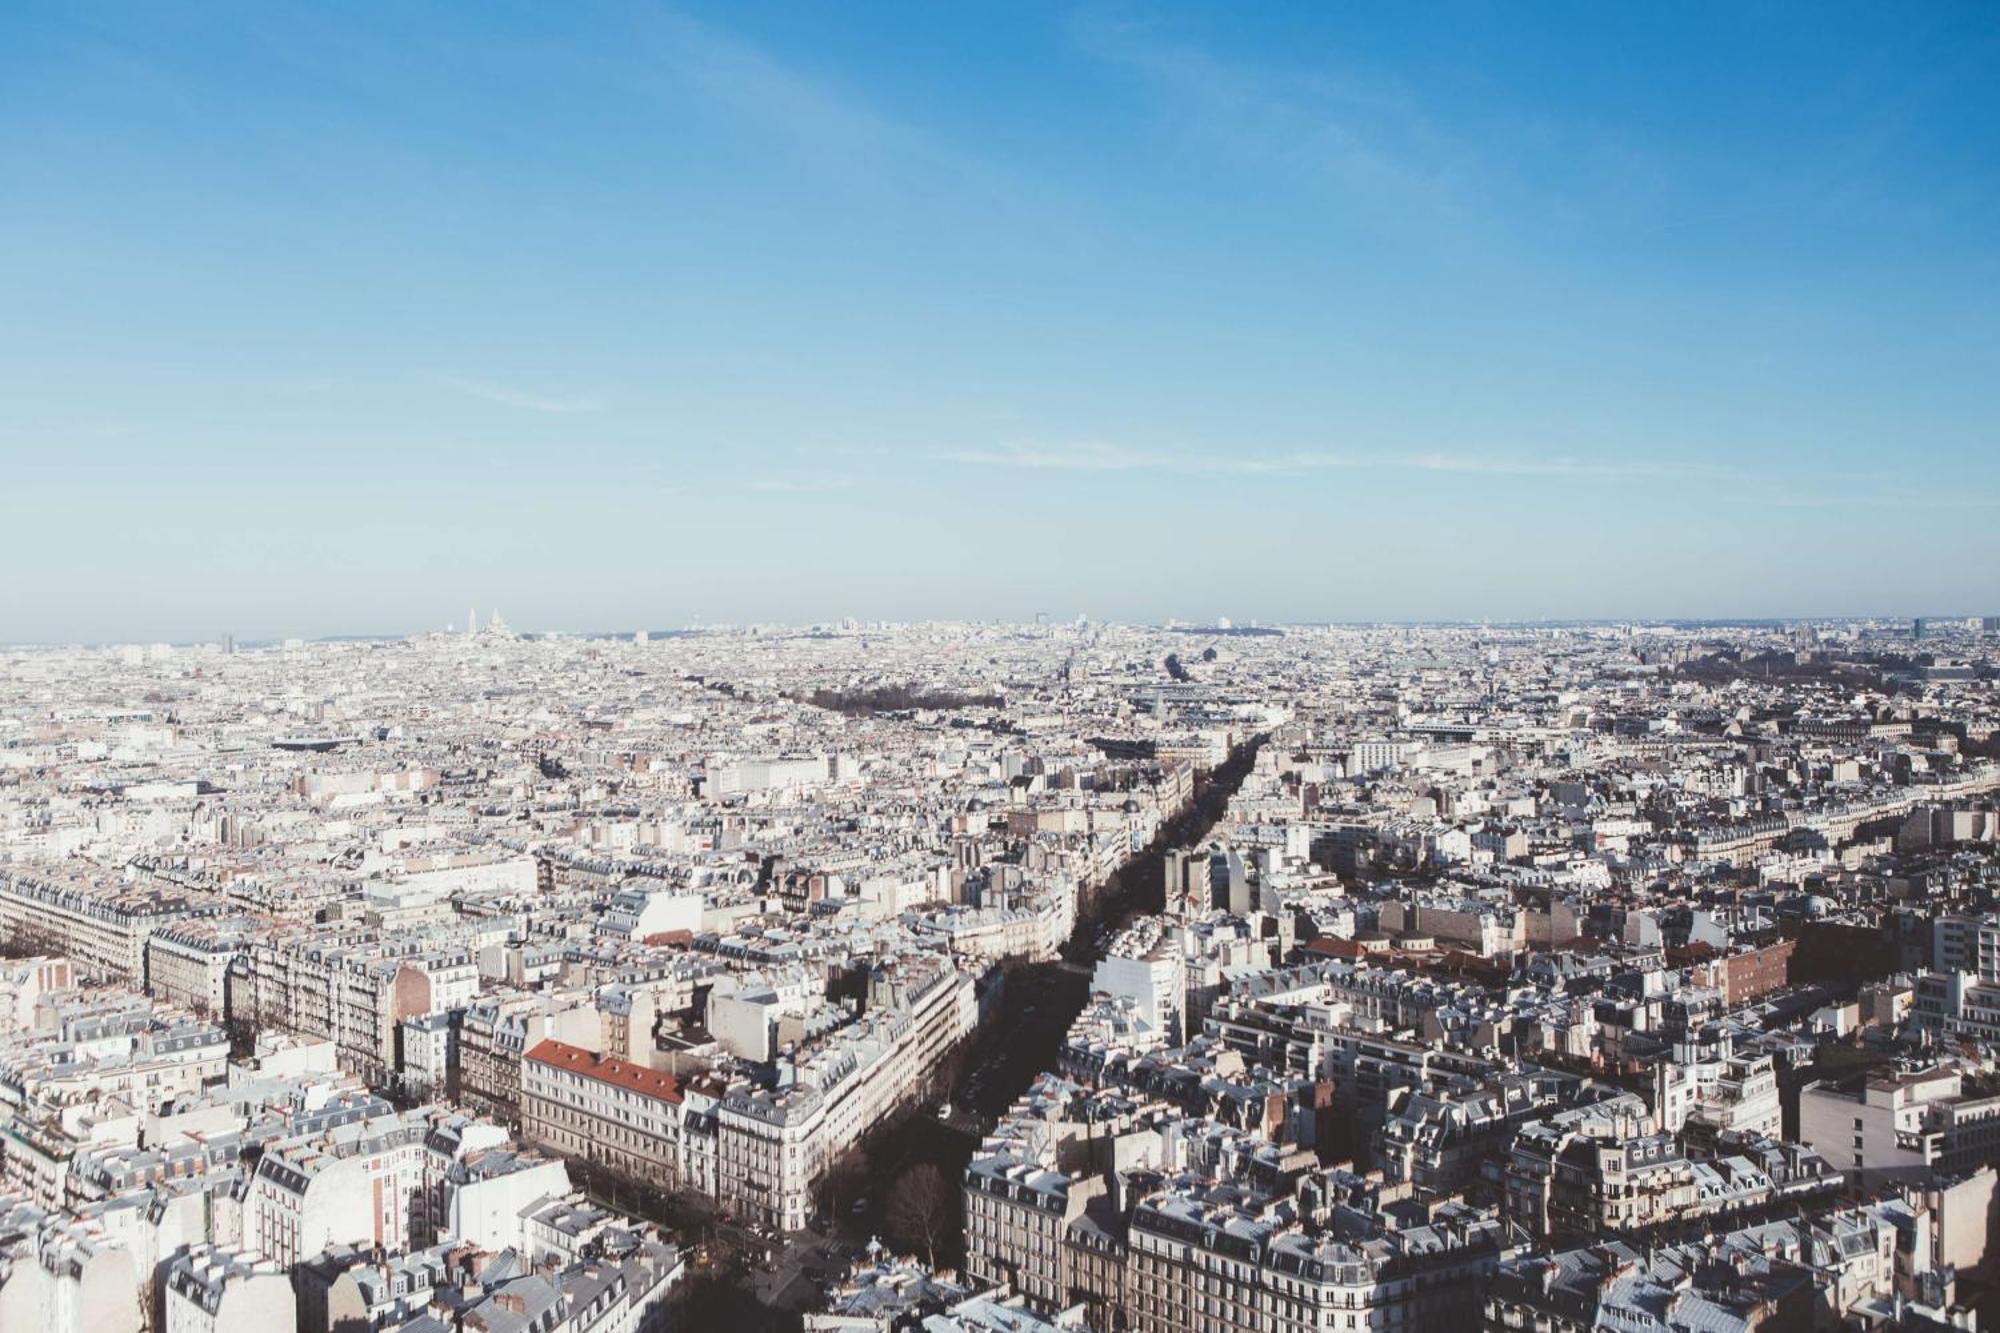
x: 921, y: 1208
x: 245, y: 1025
x: 31, y: 939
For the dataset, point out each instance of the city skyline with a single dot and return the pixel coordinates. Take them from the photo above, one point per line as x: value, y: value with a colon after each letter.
x: 767, y: 314
x: 1916, y: 627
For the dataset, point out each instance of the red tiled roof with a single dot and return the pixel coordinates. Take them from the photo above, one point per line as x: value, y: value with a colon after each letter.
x: 562, y: 1055
x: 1335, y: 947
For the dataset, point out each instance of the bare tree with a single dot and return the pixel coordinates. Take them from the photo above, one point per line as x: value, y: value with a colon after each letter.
x: 31, y: 939
x: 921, y: 1209
x: 245, y: 1026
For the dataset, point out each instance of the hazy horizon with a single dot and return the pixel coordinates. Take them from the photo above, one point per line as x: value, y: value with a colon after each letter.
x: 1942, y: 621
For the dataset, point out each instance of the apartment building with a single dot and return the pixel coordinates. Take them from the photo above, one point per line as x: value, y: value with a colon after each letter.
x: 773, y: 1148
x: 1031, y: 926
x: 23, y: 983
x: 1144, y: 964
x: 1233, y: 1268
x: 207, y: 1289
x: 495, y: 1035
x: 1440, y: 1135
x: 1956, y: 1004
x: 378, y: 1181
x: 1017, y: 1220
x: 76, y: 1276
x: 1901, y: 1128
x: 354, y: 990
x: 188, y: 963
x: 132, y: 1057
x: 1614, y: 1285
x: 604, y: 1110
x: 303, y: 1199
x: 1967, y: 942
x: 100, y: 926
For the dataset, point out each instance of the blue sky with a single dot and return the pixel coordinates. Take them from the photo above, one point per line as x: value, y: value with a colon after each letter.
x: 337, y: 318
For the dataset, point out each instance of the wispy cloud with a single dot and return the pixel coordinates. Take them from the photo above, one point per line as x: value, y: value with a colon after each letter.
x: 734, y: 73
x: 829, y: 124
x: 1086, y: 457
x: 1566, y: 467
x: 508, y: 396
x: 1102, y: 457
x: 1367, y: 137
x: 1408, y: 149
x: 1732, y: 485
x: 55, y: 431
x: 802, y: 483
x: 1867, y: 499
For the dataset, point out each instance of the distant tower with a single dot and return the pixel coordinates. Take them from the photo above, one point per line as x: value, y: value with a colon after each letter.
x: 471, y: 622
